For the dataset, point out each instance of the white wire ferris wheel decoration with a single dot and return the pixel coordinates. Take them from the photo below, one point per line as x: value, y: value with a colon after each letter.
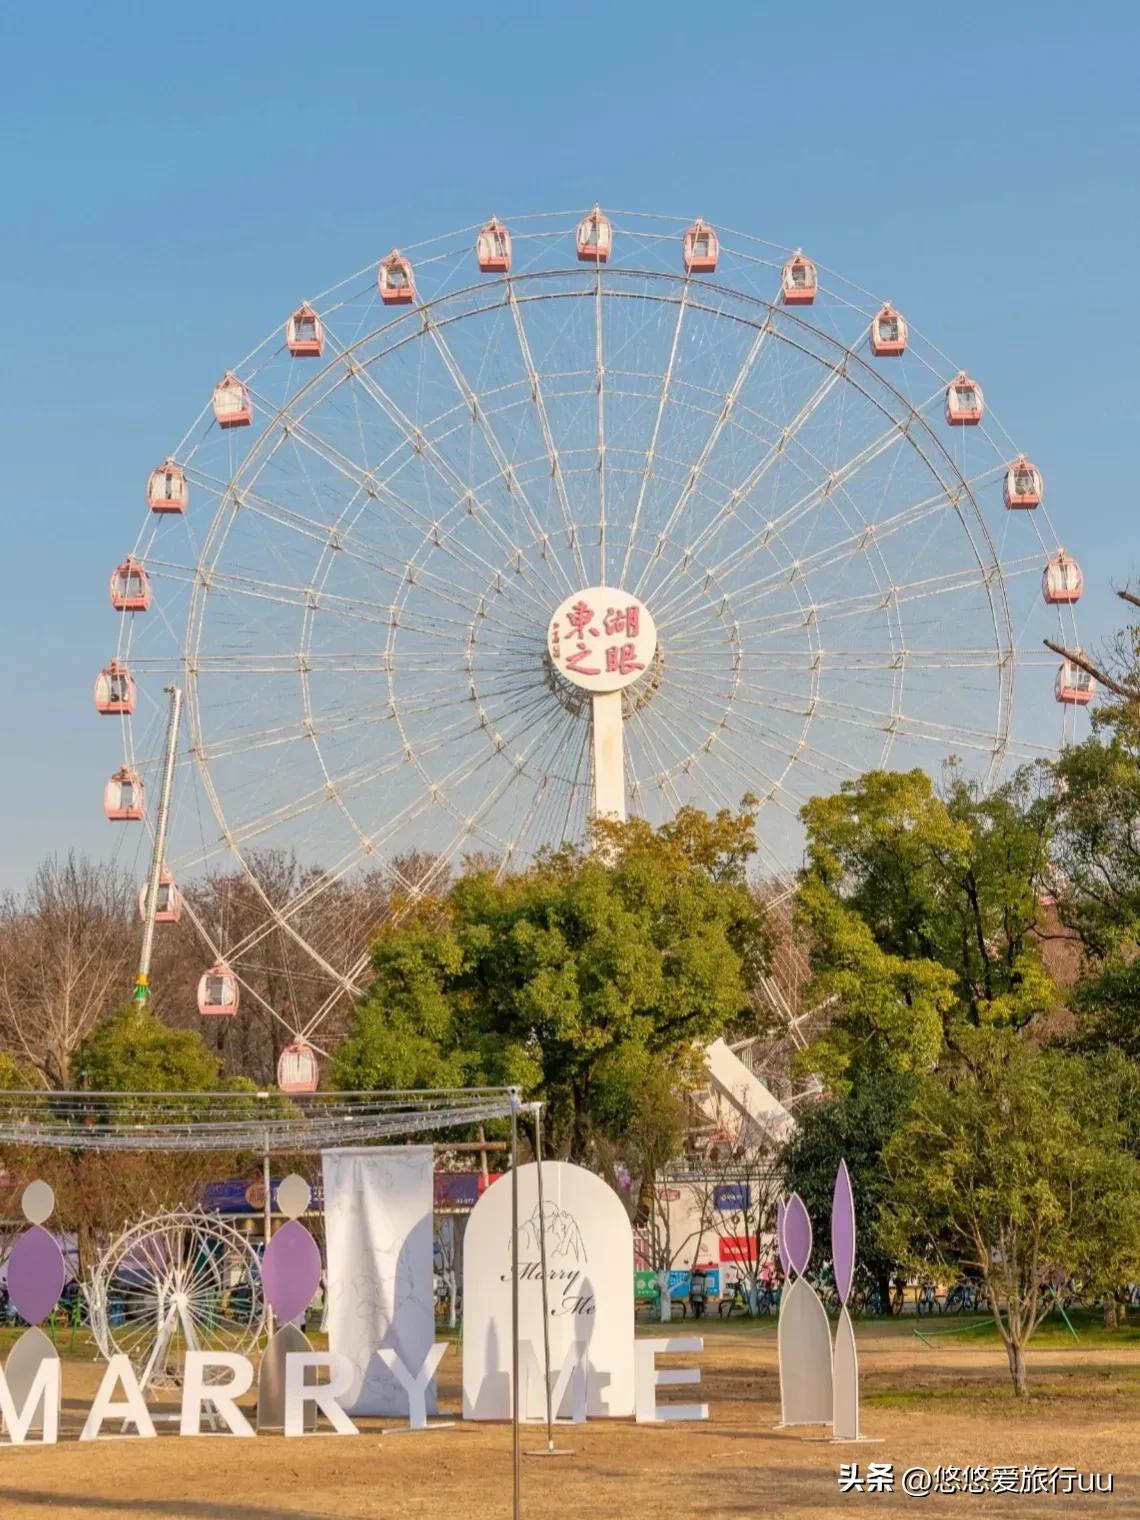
x: 568, y: 514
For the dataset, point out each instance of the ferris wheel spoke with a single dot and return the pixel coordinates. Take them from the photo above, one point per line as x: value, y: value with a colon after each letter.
x: 647, y: 739
x: 741, y: 494
x: 778, y: 792
x: 881, y: 599
x: 232, y: 954
x: 419, y: 521
x: 715, y: 728
x: 545, y: 797
x: 711, y: 441
x: 600, y: 373
x: 346, y: 782
x: 831, y: 554
x: 710, y: 779
x: 763, y: 730
x: 651, y: 451
x: 539, y: 403
x: 241, y: 742
x: 370, y: 772
x: 480, y: 415
x: 354, y: 608
x: 526, y: 725
x: 874, y: 659
x: 898, y: 724
x: 422, y: 445
x: 835, y: 481
x: 577, y: 796
x: 336, y: 541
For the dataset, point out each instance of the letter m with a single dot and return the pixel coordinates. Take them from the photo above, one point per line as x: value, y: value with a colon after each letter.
x: 567, y: 1383
x: 42, y: 1399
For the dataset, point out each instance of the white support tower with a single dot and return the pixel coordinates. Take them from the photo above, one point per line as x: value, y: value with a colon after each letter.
x: 604, y: 640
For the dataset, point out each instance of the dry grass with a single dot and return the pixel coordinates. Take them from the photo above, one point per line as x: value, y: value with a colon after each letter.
x: 946, y: 1404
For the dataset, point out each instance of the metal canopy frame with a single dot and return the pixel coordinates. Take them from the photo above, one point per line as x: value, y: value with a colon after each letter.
x: 266, y: 1121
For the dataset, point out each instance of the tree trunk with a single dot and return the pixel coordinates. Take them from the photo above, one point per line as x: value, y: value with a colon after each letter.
x: 753, y: 1295
x: 664, y: 1298
x: 580, y: 1134
x: 1017, y: 1368
x: 644, y: 1209
x: 883, y: 1282
x: 1109, y: 1312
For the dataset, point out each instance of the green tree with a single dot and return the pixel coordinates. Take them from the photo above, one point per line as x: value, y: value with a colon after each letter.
x: 15, y: 1075
x: 890, y: 1010
x: 582, y: 979
x: 1098, y: 840
x: 1013, y: 1163
x: 855, y: 1127
x: 133, y: 1052
x: 921, y: 913
x: 1097, y: 848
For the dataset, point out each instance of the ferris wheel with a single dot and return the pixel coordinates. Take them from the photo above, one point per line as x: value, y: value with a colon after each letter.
x: 172, y: 1283
x: 560, y: 515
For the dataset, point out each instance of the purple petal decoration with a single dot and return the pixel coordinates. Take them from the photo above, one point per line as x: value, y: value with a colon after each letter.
x: 781, y: 1247
x: 797, y: 1234
x: 290, y: 1270
x: 35, y: 1274
x: 843, y: 1232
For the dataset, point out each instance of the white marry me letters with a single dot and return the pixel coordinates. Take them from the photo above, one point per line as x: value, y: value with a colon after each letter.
x: 594, y: 1367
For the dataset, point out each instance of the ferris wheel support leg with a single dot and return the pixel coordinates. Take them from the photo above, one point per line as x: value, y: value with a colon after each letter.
x: 142, y: 980
x: 609, y: 756
x: 157, y: 1356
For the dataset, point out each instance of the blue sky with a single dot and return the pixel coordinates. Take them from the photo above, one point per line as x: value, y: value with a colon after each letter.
x: 177, y: 177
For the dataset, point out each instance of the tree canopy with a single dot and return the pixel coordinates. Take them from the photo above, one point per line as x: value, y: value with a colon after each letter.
x: 132, y: 1051
x: 921, y: 911
x: 582, y: 978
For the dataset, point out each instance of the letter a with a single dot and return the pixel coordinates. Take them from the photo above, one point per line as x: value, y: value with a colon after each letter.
x: 132, y: 1407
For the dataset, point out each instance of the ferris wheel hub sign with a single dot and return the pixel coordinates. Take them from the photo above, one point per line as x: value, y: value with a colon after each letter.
x: 601, y: 639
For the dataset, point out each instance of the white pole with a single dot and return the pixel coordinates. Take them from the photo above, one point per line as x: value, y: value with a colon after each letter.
x: 516, y: 1465
x: 609, y: 756
x: 267, y: 1183
x: 142, y: 980
x: 536, y: 1110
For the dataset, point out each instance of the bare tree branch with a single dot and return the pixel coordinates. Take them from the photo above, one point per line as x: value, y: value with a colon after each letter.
x: 1082, y: 662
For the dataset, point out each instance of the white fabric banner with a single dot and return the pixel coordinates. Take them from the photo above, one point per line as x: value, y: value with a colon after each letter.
x: 378, y: 1235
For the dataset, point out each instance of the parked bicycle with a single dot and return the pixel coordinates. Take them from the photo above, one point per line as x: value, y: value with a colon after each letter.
x: 926, y: 1300
x: 767, y: 1300
x: 967, y: 1296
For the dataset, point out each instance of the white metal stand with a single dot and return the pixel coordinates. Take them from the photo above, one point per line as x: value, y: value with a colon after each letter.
x: 550, y: 1450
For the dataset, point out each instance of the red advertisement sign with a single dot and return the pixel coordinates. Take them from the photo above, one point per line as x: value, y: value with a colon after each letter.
x: 738, y: 1248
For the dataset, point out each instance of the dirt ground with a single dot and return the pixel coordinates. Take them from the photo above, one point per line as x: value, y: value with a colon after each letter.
x: 926, y: 1405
